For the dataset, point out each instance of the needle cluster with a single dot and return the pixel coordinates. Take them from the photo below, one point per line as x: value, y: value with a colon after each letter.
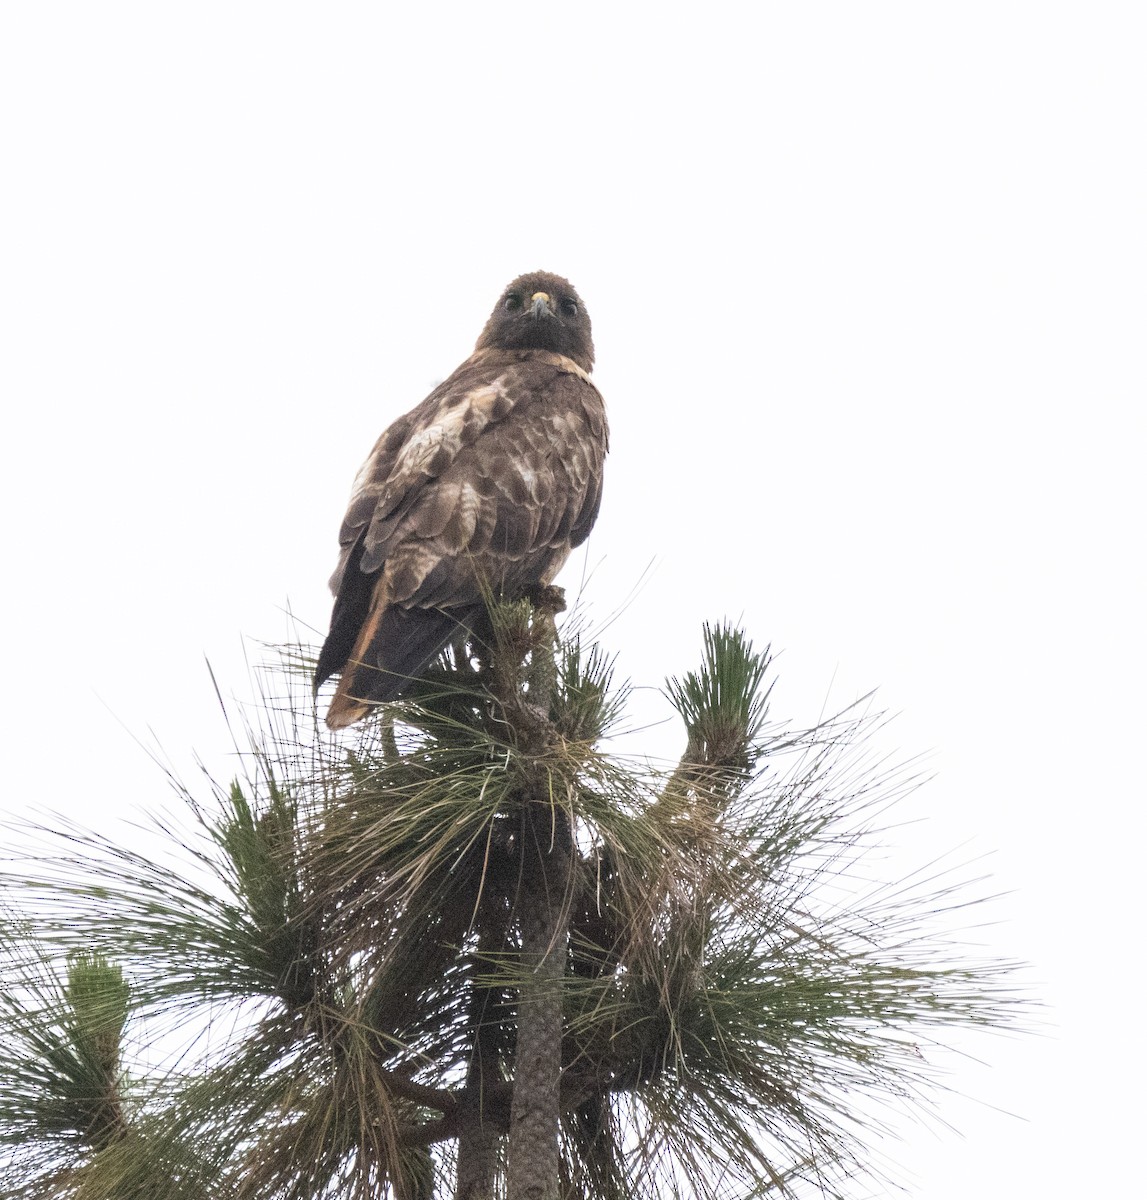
x: 319, y: 986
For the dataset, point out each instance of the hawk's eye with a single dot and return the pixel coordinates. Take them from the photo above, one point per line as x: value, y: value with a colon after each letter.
x: 512, y: 302
x: 569, y: 307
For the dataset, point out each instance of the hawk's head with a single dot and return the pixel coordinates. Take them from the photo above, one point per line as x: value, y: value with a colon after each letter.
x: 540, y: 311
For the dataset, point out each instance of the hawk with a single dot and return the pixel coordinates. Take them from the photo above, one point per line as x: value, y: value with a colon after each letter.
x: 483, y: 489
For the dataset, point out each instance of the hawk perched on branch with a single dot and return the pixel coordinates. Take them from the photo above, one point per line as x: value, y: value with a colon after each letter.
x: 483, y: 489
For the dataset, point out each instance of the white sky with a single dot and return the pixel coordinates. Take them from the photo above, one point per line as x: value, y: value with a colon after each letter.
x: 867, y: 283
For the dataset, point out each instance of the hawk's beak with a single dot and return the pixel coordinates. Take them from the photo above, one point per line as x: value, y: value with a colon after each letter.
x: 540, y: 306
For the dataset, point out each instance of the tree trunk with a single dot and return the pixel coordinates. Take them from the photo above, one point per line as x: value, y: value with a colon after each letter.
x: 479, y: 1159
x: 544, y: 911
x: 477, y: 1163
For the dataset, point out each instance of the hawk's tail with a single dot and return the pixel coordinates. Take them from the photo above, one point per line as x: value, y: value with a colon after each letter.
x: 353, y: 695
x: 393, y: 647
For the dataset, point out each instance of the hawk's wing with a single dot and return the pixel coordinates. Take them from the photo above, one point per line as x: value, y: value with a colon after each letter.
x: 483, y: 489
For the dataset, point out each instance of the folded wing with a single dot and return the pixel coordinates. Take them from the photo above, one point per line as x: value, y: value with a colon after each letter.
x: 484, y: 489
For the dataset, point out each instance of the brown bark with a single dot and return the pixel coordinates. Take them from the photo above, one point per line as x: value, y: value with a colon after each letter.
x: 478, y: 1162
x: 483, y: 1119
x: 543, y: 913
x: 533, y: 1163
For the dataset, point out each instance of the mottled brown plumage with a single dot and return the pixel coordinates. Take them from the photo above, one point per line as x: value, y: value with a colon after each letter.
x: 483, y: 489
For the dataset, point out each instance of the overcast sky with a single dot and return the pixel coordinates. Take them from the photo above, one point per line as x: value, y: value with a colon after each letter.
x: 867, y: 284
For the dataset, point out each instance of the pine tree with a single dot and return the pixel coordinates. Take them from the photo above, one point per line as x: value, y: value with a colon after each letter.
x: 470, y: 950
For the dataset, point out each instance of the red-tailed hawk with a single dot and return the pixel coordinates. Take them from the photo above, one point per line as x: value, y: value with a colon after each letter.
x: 483, y: 489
